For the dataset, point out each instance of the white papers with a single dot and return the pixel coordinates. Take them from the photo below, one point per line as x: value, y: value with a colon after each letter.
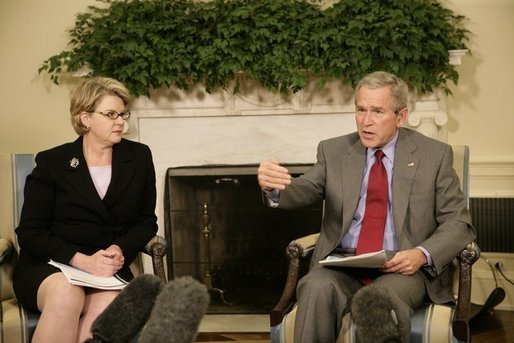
x: 81, y: 278
x: 368, y: 260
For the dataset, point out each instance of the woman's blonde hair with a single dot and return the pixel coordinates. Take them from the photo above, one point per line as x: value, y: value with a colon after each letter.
x: 87, y: 96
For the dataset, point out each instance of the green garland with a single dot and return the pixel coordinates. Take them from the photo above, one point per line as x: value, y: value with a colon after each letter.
x: 149, y: 44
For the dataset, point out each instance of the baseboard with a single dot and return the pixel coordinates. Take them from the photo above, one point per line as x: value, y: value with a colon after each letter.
x: 234, y: 323
x: 483, y: 281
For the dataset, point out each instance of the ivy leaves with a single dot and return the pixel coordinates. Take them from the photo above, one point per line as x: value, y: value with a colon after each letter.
x: 279, y: 43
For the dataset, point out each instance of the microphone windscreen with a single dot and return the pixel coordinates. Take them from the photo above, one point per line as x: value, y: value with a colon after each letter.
x: 377, y: 317
x: 177, y: 312
x: 126, y: 315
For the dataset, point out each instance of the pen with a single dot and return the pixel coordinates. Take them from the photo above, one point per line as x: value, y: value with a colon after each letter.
x: 120, y: 279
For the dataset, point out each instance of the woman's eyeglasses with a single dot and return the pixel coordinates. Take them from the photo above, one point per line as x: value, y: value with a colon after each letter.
x: 114, y: 115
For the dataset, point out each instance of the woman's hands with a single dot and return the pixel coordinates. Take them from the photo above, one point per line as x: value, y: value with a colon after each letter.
x: 104, y: 263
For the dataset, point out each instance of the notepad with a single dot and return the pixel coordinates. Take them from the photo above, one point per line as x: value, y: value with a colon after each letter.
x: 368, y: 260
x: 81, y: 278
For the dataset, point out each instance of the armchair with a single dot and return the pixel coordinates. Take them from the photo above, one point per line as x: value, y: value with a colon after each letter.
x: 17, y: 324
x: 430, y: 323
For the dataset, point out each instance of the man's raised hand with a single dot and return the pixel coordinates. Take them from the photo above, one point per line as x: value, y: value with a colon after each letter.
x: 271, y: 175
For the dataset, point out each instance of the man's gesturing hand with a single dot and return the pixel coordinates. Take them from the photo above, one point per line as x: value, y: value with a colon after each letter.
x: 272, y: 175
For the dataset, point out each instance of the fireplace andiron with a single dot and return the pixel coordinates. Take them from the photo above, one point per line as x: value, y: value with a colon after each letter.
x: 207, y: 274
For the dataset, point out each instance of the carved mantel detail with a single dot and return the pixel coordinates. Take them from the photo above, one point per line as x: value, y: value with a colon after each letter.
x: 428, y: 117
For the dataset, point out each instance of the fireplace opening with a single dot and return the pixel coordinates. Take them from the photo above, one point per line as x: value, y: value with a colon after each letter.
x: 220, y: 232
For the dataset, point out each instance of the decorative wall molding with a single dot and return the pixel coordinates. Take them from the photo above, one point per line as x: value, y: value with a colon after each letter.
x: 492, y: 177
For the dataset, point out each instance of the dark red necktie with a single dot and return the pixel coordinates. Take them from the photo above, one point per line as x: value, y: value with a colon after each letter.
x: 371, y: 237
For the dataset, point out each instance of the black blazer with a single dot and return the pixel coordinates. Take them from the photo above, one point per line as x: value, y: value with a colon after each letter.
x: 63, y: 214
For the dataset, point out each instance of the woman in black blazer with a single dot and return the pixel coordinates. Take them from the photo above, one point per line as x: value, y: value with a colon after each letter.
x: 90, y: 204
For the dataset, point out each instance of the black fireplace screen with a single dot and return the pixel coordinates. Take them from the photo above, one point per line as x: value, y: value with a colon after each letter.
x: 220, y: 232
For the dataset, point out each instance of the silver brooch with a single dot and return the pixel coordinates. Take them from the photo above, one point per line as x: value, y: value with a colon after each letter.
x: 74, y: 163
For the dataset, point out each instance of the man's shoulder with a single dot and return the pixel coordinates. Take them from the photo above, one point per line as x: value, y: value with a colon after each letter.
x: 349, y: 139
x: 421, y: 140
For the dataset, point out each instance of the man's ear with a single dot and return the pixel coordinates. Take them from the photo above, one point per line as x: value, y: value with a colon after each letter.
x: 401, y: 117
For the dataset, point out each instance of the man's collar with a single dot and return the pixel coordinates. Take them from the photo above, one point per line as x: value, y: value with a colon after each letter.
x: 388, y: 149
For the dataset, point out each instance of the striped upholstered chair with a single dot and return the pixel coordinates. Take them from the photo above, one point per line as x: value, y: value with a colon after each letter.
x: 16, y: 323
x: 430, y: 323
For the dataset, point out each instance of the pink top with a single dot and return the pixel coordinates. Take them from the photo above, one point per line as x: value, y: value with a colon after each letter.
x: 101, y: 178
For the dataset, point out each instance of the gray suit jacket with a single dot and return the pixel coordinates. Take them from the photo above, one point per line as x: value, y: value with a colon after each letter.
x: 429, y: 209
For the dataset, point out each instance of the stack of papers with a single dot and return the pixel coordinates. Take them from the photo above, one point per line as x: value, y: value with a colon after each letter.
x: 368, y: 260
x: 81, y: 278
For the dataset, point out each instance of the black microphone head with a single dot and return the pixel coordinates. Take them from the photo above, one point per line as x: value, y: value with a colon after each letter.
x: 377, y: 317
x: 177, y: 312
x: 128, y: 312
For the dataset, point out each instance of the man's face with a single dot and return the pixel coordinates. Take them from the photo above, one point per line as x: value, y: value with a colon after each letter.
x: 377, y: 123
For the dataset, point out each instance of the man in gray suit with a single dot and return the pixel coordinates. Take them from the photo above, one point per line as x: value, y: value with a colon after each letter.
x: 425, y: 219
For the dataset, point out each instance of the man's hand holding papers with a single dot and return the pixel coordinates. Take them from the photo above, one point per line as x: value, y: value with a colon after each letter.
x: 368, y: 260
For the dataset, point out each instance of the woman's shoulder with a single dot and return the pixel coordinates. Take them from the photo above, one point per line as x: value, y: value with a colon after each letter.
x: 57, y: 151
x: 131, y: 143
x: 127, y: 144
x: 127, y: 149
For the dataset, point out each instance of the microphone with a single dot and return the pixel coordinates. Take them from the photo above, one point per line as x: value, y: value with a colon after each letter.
x: 177, y: 312
x: 121, y: 321
x: 376, y: 316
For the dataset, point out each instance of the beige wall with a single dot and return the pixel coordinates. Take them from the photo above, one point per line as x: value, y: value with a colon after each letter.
x: 34, y: 112
x: 479, y: 111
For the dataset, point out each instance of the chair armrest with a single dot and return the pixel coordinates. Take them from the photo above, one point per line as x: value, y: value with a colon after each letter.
x: 460, y: 324
x: 306, y: 243
x: 295, y: 251
x: 6, y: 248
x: 157, y: 248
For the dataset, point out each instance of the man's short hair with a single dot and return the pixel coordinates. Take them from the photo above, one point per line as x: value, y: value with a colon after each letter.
x: 379, y: 79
